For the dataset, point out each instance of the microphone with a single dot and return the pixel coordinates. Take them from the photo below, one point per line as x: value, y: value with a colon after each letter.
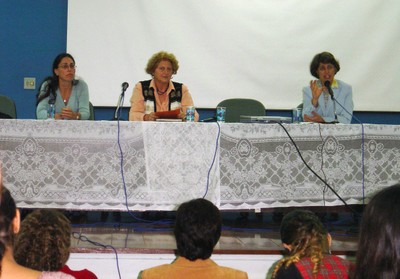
x: 327, y: 84
x: 120, y: 103
x: 125, y: 86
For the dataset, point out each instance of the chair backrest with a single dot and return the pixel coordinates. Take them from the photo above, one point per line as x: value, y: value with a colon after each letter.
x: 91, y: 109
x: 237, y: 107
x: 7, y: 106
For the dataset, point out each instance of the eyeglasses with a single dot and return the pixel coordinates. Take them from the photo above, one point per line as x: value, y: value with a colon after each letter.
x: 66, y: 66
x: 326, y: 67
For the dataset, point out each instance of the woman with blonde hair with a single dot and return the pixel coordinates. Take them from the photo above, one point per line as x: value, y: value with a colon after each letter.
x: 160, y: 94
x: 307, y: 243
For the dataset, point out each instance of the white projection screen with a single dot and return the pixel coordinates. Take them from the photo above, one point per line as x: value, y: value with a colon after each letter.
x: 257, y: 49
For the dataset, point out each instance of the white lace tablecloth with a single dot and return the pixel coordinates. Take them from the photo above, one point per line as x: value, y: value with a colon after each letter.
x: 260, y: 167
x: 77, y: 164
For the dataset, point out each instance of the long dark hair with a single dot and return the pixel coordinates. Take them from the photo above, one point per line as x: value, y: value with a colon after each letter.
x: 52, y: 81
x: 8, y: 210
x: 378, y: 254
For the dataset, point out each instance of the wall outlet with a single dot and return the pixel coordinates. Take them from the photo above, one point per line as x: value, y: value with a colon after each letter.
x: 29, y: 83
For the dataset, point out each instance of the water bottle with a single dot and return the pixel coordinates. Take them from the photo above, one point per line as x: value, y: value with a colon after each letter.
x: 190, y: 114
x: 51, y: 112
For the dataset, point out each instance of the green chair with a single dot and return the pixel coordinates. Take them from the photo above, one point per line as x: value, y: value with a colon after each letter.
x: 237, y: 107
x: 7, y: 106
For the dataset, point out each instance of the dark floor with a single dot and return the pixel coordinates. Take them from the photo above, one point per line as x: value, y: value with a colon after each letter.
x: 243, y: 232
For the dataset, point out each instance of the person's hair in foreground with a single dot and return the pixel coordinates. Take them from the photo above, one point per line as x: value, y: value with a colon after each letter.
x: 324, y: 58
x: 9, y: 227
x: 43, y: 241
x: 307, y: 237
x: 8, y: 211
x: 378, y: 254
x: 197, y: 229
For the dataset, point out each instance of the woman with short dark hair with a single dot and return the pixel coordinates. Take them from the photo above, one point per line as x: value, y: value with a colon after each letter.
x: 327, y: 99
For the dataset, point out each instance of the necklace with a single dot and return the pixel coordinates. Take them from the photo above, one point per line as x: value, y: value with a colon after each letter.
x: 159, y: 92
x: 65, y: 95
x: 65, y: 100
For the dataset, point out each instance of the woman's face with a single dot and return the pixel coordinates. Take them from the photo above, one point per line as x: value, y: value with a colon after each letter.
x: 163, y: 72
x: 326, y: 72
x: 66, y: 69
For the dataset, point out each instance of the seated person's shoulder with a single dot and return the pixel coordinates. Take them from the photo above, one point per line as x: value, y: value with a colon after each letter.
x: 233, y: 273
x: 154, y: 272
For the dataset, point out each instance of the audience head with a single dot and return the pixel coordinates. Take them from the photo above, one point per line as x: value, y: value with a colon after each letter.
x: 44, y: 240
x: 9, y: 220
x: 197, y: 229
x: 162, y: 56
x: 303, y: 235
x: 378, y: 254
x: 323, y: 58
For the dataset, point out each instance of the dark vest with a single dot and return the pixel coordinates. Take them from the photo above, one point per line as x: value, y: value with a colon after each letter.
x: 175, y: 97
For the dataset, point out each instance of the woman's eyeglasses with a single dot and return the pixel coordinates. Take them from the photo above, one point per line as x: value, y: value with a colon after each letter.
x: 66, y: 66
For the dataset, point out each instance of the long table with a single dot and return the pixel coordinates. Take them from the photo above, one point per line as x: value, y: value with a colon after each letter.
x: 109, y: 165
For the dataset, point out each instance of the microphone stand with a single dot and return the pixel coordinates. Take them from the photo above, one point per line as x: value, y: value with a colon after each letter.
x: 119, y: 105
x: 334, y: 109
x: 120, y: 102
x: 330, y: 91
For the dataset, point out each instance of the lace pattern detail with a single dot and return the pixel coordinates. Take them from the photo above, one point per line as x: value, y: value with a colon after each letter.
x: 76, y: 164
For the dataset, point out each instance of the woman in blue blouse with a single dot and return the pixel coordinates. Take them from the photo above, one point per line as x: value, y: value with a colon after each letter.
x: 69, y: 96
x: 318, y: 105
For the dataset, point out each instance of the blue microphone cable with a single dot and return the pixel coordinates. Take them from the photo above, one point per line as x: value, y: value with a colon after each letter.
x: 213, y: 160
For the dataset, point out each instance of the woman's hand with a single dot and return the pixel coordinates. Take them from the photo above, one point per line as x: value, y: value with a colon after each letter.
x: 67, y: 113
x: 150, y: 117
x: 182, y: 115
x: 315, y: 117
x: 316, y: 92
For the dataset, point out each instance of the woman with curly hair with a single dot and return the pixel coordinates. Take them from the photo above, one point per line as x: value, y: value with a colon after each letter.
x: 160, y: 94
x: 9, y: 227
x: 44, y: 241
x: 307, y: 243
